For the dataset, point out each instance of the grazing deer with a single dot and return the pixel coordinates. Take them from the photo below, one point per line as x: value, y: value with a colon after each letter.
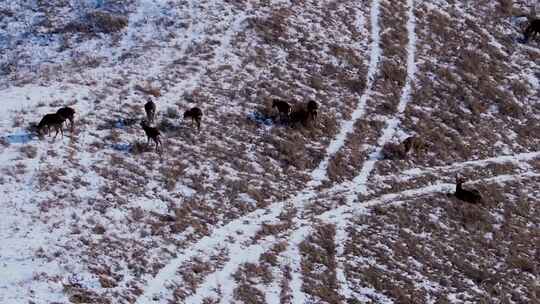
x: 51, y: 120
x: 312, y: 108
x: 67, y: 113
x: 150, y: 109
x: 151, y: 133
x: 283, y: 108
x: 299, y: 116
x: 195, y: 114
x: 413, y: 143
x: 532, y: 29
x: 470, y: 196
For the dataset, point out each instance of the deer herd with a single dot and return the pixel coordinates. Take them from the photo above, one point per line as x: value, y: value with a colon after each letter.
x: 286, y: 114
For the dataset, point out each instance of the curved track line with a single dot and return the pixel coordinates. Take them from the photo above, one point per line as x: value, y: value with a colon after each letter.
x: 222, y: 277
x: 320, y: 174
x: 516, y: 159
x: 250, y: 223
x: 345, y: 212
x: 358, y: 183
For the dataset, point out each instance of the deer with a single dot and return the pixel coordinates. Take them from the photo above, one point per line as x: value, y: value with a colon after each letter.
x: 299, y: 116
x: 67, y: 113
x: 152, y: 133
x: 54, y: 120
x: 414, y: 143
x: 283, y: 108
x: 150, y: 109
x: 312, y: 108
x: 195, y: 114
x: 470, y: 196
x: 532, y: 30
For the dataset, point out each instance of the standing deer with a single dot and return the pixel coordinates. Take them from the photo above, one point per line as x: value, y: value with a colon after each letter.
x: 413, y: 143
x: 51, y: 120
x: 283, y: 108
x: 152, y: 133
x: 67, y: 113
x: 312, y: 108
x: 195, y: 114
x: 470, y: 196
x: 532, y: 29
x: 150, y: 109
x: 299, y: 116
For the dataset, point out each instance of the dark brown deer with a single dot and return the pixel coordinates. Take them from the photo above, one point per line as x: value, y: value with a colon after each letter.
x: 195, y: 114
x: 51, y: 120
x: 470, y: 196
x: 299, y: 116
x: 150, y: 109
x: 415, y: 144
x: 67, y: 113
x: 312, y: 108
x: 532, y: 30
x: 283, y: 109
x: 152, y: 133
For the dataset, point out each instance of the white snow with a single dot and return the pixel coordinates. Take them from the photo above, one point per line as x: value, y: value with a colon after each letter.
x: 320, y: 174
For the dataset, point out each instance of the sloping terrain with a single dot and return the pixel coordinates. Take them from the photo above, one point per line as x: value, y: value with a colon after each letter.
x: 250, y: 210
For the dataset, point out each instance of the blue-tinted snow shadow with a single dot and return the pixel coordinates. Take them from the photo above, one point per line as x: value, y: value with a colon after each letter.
x: 261, y: 119
x: 126, y: 148
x: 19, y: 138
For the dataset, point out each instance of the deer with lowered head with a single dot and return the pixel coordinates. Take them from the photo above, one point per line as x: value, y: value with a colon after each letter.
x: 196, y: 115
x: 152, y: 133
x: 67, y: 113
x: 470, y: 196
x: 413, y: 143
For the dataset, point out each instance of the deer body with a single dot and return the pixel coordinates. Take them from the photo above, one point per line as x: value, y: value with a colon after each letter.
x: 312, y: 108
x: 470, y: 196
x: 532, y: 30
x: 150, y: 109
x: 413, y: 143
x: 283, y: 108
x: 299, y: 116
x: 51, y: 120
x: 195, y: 114
x: 152, y: 133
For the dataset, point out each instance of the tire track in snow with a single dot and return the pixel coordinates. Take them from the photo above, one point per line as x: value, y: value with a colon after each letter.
x: 516, y: 159
x: 358, y: 183
x: 320, y: 174
x: 342, y: 215
x: 251, y: 223
x: 346, y: 212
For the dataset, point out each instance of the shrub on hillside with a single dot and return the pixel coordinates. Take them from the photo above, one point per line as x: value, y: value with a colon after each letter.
x: 96, y: 22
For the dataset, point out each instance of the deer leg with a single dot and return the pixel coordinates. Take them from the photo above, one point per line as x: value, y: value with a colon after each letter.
x: 55, y: 134
x: 198, y: 125
x: 148, y: 140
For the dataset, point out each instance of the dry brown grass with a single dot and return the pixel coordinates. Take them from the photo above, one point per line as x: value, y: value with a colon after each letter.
x: 319, y: 265
x: 447, y: 242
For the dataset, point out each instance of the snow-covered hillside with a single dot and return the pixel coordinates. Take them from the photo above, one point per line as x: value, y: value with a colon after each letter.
x: 250, y: 210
